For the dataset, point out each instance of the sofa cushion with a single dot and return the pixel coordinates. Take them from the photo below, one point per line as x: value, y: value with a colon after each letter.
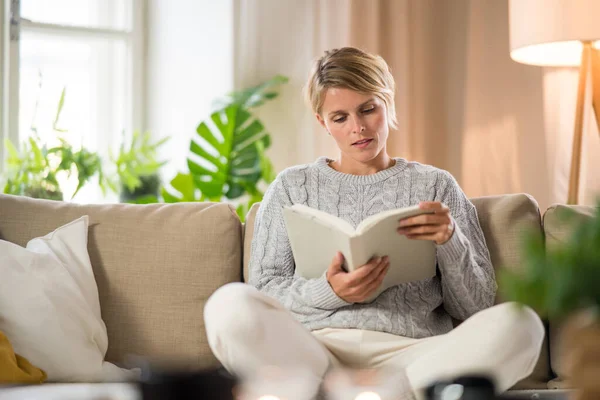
x: 504, y: 220
x: 155, y: 266
x: 557, y: 231
x: 248, y: 233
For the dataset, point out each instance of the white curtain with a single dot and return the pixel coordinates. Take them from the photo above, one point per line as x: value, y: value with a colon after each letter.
x: 463, y: 104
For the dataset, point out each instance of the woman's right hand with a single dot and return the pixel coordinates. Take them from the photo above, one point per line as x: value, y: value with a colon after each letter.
x: 358, y: 285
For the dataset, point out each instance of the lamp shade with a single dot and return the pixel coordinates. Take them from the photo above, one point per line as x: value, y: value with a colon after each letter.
x: 550, y: 32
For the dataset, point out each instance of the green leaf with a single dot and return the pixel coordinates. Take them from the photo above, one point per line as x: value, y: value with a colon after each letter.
x: 559, y: 280
x: 61, y: 103
x: 254, y: 96
x: 147, y: 199
x: 184, y: 185
x: 238, y: 162
x: 39, y: 158
x: 137, y: 159
x: 12, y: 150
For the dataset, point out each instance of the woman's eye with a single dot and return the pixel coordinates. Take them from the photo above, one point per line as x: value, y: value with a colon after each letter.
x: 368, y: 110
x: 338, y: 120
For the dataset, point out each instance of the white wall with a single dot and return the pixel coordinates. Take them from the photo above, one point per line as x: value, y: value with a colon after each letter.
x: 189, y: 63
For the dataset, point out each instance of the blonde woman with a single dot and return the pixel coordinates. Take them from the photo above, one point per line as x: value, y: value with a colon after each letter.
x: 284, y: 320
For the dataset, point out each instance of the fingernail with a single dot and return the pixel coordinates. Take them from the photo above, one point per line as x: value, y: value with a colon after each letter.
x: 385, y: 258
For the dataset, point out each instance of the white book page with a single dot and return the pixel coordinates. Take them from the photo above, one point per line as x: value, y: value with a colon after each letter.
x: 396, y: 214
x: 324, y: 218
x: 314, y: 243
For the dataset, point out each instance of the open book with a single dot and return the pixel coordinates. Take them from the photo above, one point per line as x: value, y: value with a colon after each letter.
x: 315, y: 236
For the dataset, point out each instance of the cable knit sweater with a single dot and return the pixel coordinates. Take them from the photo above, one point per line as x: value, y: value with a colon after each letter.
x: 464, y: 285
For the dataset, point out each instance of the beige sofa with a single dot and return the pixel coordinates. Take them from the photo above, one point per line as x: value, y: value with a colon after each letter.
x: 156, y: 265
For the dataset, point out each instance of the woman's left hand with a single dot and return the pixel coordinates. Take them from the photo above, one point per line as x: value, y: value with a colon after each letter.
x: 438, y: 227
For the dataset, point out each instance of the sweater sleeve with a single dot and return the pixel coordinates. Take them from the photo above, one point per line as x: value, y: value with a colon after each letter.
x: 468, y: 279
x: 272, y: 264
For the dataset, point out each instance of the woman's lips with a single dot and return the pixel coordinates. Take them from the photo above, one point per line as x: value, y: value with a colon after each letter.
x: 361, y: 144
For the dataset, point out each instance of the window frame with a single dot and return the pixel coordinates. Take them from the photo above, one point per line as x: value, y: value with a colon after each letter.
x: 12, y: 24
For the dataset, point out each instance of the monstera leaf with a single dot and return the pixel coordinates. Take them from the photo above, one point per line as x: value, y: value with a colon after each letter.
x: 183, y: 185
x: 254, y: 96
x: 231, y: 150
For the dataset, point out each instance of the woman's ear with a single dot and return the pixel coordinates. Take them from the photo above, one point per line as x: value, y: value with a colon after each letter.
x: 321, y: 120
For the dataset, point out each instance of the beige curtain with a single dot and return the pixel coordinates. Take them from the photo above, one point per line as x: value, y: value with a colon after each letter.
x: 463, y: 104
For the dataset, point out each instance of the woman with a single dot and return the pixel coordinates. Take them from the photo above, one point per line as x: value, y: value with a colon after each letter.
x: 285, y: 320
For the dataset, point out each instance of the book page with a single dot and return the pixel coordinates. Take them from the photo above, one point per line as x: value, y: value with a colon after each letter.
x: 314, y: 243
x: 396, y: 214
x: 324, y: 218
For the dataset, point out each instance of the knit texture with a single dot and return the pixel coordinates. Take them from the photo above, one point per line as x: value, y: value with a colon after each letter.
x: 464, y: 285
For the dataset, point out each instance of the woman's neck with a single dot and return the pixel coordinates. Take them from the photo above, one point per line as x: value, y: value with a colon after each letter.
x: 349, y: 166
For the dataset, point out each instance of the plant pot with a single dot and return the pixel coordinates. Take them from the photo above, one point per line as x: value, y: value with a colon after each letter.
x: 150, y: 188
x: 43, y: 193
x: 580, y: 354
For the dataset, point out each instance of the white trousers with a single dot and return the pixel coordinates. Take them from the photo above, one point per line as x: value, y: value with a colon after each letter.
x: 248, y: 330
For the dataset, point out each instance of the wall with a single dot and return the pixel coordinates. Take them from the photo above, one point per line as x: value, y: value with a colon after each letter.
x: 189, y: 63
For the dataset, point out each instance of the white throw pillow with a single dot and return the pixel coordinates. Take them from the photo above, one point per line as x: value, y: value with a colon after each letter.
x: 50, y: 310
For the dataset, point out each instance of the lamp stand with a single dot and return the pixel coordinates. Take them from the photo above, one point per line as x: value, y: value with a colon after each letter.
x: 589, y: 56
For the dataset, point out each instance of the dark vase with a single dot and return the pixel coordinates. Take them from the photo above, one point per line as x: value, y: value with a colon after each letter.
x: 150, y: 187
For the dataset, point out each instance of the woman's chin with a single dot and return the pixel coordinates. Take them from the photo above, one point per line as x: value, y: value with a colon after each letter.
x: 366, y: 155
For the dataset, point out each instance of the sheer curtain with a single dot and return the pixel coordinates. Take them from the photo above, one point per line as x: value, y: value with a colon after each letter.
x: 463, y: 104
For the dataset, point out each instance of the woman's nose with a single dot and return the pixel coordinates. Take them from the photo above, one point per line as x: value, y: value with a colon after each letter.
x: 357, y: 125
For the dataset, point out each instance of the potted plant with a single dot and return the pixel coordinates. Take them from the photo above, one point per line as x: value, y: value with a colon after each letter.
x: 137, y: 168
x: 34, y: 170
x: 233, y: 142
x: 562, y: 283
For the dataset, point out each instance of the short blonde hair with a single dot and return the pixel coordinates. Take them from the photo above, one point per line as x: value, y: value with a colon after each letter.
x: 353, y: 69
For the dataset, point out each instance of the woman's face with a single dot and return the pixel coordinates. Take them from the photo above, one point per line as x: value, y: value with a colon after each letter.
x: 358, y: 123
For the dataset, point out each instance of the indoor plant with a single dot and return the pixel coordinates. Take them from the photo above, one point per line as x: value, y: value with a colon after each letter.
x: 562, y: 283
x: 137, y: 168
x: 35, y: 169
x: 233, y: 142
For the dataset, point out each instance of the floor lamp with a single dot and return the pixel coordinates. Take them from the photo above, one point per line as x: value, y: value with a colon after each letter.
x: 561, y: 33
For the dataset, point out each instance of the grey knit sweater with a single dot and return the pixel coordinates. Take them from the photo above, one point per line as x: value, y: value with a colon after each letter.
x: 464, y: 284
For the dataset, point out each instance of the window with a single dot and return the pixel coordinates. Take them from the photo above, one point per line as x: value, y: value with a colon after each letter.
x: 90, y: 48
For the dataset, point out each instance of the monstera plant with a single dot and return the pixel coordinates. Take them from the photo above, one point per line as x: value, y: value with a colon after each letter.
x: 227, y: 154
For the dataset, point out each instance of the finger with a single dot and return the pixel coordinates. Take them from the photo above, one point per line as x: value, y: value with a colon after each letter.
x: 433, y: 237
x: 427, y: 219
x: 361, y: 274
x: 374, y: 285
x: 432, y: 205
x: 375, y: 274
x: 422, y: 229
x: 336, y: 263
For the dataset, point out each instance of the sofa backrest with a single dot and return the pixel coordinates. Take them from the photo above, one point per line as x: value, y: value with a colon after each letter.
x: 155, y: 266
x: 504, y: 220
x: 558, y: 230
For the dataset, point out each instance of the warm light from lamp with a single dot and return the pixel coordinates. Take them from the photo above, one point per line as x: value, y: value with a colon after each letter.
x: 559, y: 54
x: 551, y: 32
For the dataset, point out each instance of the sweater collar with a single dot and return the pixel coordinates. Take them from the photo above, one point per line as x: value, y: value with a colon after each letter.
x: 323, y: 166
